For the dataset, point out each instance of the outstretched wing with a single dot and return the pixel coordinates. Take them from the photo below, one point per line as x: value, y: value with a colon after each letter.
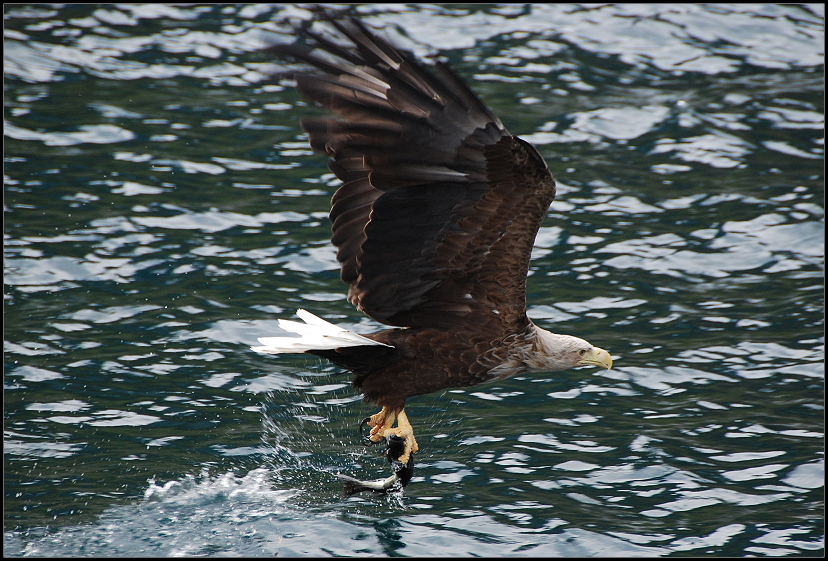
x: 440, y: 205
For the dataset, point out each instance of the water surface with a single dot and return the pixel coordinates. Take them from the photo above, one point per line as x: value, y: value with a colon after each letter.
x: 162, y: 210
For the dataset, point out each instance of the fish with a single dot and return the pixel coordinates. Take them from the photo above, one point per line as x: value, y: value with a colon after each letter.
x: 395, y: 446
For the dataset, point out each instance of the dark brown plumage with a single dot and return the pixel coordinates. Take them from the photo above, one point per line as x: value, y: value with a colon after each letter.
x: 434, y: 225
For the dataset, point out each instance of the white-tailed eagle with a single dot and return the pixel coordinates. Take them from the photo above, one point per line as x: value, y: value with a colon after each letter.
x: 434, y: 225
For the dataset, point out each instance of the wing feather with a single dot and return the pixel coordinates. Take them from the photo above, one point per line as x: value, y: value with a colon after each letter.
x: 440, y: 205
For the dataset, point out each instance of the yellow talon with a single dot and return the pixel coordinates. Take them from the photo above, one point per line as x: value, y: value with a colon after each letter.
x: 379, y: 422
x: 381, y: 426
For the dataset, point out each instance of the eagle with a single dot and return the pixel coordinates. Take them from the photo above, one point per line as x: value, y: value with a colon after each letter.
x: 434, y: 224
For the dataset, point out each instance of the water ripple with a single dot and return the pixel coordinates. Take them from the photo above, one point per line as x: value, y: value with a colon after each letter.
x: 163, y: 209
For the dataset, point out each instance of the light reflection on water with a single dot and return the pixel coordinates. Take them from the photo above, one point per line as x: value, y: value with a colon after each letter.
x: 162, y: 209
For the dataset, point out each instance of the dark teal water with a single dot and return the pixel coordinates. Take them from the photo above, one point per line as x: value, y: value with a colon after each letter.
x: 162, y: 210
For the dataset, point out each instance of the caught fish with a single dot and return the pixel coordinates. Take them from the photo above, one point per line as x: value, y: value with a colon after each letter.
x: 351, y: 486
x: 395, y: 445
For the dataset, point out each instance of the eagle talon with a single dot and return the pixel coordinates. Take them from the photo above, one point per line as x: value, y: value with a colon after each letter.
x: 366, y: 439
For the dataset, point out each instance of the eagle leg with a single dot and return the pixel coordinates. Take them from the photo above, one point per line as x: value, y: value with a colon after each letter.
x: 379, y: 422
x: 406, y: 431
x: 381, y: 427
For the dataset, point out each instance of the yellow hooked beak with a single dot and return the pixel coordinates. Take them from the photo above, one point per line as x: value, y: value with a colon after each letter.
x: 596, y: 357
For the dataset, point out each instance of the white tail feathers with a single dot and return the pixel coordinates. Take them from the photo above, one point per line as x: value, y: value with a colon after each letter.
x: 316, y: 334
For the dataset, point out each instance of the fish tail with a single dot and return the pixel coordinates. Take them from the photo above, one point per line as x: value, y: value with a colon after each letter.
x: 350, y: 486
